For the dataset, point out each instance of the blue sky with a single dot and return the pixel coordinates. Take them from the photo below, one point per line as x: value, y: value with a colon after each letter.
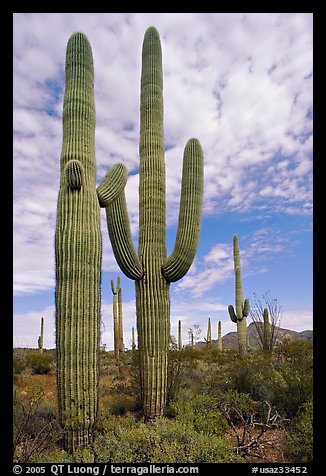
x: 240, y: 83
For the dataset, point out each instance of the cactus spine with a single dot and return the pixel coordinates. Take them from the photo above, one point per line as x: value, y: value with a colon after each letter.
x: 242, y: 307
x: 78, y: 250
x: 219, y: 338
x: 151, y: 269
x: 40, y: 339
x: 179, y: 336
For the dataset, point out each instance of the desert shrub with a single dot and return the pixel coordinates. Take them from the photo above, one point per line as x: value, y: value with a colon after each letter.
x: 202, y: 414
x: 20, y: 361
x: 300, y: 438
x: 41, y: 363
x: 294, y: 365
x: 164, y: 441
x: 35, y: 425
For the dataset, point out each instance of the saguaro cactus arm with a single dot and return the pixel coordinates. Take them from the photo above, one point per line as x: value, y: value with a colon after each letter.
x: 179, y: 262
x: 120, y: 236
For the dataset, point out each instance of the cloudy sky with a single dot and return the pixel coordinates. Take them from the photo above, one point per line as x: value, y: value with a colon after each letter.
x: 240, y: 83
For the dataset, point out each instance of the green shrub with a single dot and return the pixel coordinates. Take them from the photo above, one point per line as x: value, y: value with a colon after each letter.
x: 20, y: 361
x: 163, y: 441
x: 202, y: 414
x: 41, y: 363
x: 300, y: 439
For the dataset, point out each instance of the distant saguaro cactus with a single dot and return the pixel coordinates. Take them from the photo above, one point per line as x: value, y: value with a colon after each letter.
x: 179, y: 336
x: 41, y: 337
x: 209, y: 333
x: 242, y: 307
x: 78, y: 250
x: 116, y: 315
x: 219, y: 338
x: 152, y: 270
x: 133, y: 342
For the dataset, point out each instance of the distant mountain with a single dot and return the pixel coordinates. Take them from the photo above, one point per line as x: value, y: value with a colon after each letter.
x: 230, y: 340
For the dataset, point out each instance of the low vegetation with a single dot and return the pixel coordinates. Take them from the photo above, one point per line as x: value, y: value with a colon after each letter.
x: 221, y: 408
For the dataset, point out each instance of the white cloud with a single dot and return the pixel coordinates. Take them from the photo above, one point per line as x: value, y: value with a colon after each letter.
x: 241, y: 83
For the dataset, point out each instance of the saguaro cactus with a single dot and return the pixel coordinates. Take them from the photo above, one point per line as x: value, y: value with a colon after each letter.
x: 209, y: 333
x: 121, y: 345
x: 78, y: 250
x: 267, y: 345
x: 242, y: 307
x: 179, y: 336
x: 133, y: 343
x: 116, y: 333
x: 151, y: 269
x: 40, y: 339
x: 219, y: 338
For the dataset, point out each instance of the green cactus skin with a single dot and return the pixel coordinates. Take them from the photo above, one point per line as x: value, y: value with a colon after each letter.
x: 209, y: 333
x: 242, y: 307
x: 121, y: 345
x: 151, y: 269
x: 133, y: 342
x: 219, y: 338
x: 40, y: 339
x: 267, y: 332
x: 116, y: 327
x: 179, y: 336
x: 78, y: 250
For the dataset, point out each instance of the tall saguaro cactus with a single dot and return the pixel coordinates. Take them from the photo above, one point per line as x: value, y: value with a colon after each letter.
x: 78, y: 250
x: 242, y: 307
x: 151, y: 269
x: 41, y: 337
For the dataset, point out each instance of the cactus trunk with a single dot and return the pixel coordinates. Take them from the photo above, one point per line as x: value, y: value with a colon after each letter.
x: 120, y: 323
x: 133, y: 343
x: 209, y: 333
x: 116, y: 331
x: 267, y: 345
x: 219, y: 338
x: 242, y: 307
x: 179, y: 336
x: 151, y: 269
x: 41, y: 337
x: 78, y: 251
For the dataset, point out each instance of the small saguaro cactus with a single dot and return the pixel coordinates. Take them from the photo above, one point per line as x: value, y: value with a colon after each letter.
x: 209, y: 334
x: 116, y: 314
x: 151, y: 269
x: 242, y: 307
x: 267, y: 345
x: 78, y: 250
x: 179, y: 336
x: 219, y: 338
x: 133, y: 342
x: 40, y: 339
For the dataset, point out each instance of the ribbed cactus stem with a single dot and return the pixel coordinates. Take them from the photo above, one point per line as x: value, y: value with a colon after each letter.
x: 120, y: 321
x: 192, y: 340
x: 179, y: 336
x: 209, y: 333
x: 267, y: 332
x: 133, y: 342
x: 116, y: 329
x: 152, y: 270
x: 41, y: 337
x: 78, y: 251
x: 242, y: 308
x: 219, y: 338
